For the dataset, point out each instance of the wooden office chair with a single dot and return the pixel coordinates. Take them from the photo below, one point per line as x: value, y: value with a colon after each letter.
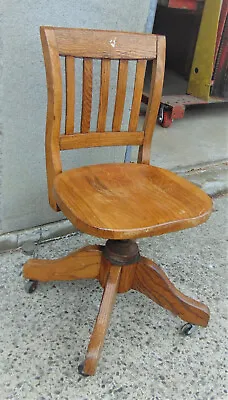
x: 118, y: 202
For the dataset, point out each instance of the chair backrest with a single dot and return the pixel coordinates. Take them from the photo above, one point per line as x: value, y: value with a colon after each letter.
x: 106, y: 46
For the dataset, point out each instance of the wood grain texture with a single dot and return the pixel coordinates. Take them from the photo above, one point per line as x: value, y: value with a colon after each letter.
x: 54, y: 109
x: 104, y: 44
x: 153, y: 282
x: 137, y: 95
x: 120, y: 95
x: 97, y: 339
x: 70, y: 94
x: 104, y: 92
x: 126, y: 277
x: 81, y: 264
x: 104, y: 271
x: 124, y: 201
x: 87, y: 94
x: 158, y: 68
x: 95, y: 139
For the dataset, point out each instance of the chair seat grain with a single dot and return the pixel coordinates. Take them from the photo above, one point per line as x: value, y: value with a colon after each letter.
x: 125, y: 201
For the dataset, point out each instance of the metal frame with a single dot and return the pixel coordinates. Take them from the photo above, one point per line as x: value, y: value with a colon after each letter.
x: 207, y: 51
x: 183, y: 4
x: 200, y: 79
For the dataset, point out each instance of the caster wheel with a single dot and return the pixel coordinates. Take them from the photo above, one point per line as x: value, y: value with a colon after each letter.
x: 30, y: 286
x: 188, y: 329
x: 167, y: 120
x: 165, y: 116
x: 80, y: 370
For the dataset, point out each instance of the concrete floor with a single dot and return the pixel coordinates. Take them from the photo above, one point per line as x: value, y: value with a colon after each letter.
x: 44, y: 336
x: 201, y: 137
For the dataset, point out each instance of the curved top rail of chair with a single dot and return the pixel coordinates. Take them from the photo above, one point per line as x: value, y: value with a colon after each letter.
x: 91, y: 43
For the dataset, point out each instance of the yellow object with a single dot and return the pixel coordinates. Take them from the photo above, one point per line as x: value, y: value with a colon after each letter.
x: 203, y: 62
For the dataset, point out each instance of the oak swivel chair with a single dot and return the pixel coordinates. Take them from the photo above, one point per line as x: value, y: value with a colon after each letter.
x: 118, y: 201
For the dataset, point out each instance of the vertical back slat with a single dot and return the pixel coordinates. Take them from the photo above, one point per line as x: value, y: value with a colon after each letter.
x: 104, y: 91
x: 120, y: 95
x: 70, y: 94
x: 87, y: 94
x: 137, y: 95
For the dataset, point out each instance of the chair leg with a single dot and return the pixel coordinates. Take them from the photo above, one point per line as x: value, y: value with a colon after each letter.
x: 81, y: 264
x: 97, y: 338
x: 152, y: 281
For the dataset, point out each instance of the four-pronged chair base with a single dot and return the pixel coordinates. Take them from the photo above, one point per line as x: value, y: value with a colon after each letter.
x: 119, y: 267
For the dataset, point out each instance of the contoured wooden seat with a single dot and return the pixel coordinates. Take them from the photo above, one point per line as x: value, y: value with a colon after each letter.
x: 126, y: 201
x: 118, y: 202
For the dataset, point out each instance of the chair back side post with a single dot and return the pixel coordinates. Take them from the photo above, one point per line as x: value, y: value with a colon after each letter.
x: 105, y: 46
x: 157, y: 78
x: 54, y: 111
